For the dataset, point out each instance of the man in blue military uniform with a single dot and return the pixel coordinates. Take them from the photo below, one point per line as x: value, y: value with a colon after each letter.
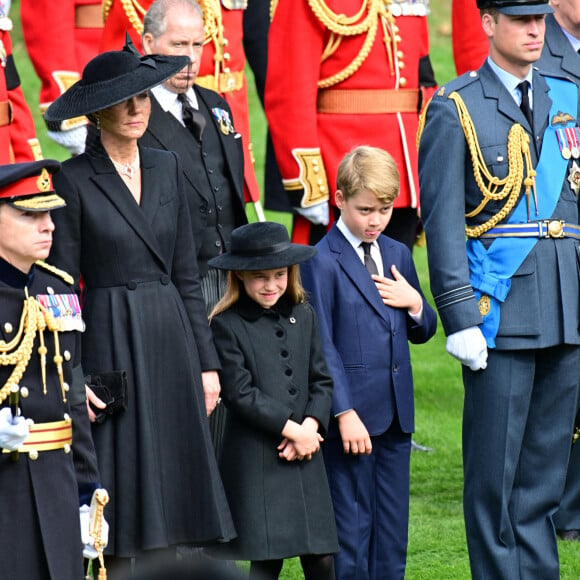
x: 496, y: 164
x: 48, y: 465
x: 560, y: 56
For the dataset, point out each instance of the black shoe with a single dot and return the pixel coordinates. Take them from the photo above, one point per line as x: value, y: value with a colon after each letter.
x: 569, y: 535
x: 418, y: 447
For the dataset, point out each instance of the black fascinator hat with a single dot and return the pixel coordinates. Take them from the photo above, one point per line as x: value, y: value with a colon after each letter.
x: 111, y: 78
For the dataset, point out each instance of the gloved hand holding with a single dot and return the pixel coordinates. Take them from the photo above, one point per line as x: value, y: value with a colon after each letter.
x: 73, y: 140
x: 94, y: 526
x: 469, y: 347
x: 13, y: 431
x: 317, y: 214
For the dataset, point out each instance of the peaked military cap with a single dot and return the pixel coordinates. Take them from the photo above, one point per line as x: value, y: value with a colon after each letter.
x: 517, y: 7
x: 28, y: 186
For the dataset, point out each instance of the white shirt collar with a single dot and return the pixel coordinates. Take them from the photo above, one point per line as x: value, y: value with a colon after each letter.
x: 168, y: 100
x: 575, y: 42
x: 511, y: 82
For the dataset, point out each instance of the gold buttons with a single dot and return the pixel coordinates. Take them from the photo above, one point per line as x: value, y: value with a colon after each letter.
x: 33, y: 454
x: 66, y: 448
x: 24, y: 392
x: 66, y: 355
x: 50, y: 290
x: 403, y: 82
x: 8, y: 328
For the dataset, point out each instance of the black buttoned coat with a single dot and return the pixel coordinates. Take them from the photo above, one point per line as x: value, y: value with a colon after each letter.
x: 145, y: 315
x: 273, y: 370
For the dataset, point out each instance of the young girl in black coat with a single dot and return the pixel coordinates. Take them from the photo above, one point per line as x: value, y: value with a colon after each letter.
x: 278, y: 392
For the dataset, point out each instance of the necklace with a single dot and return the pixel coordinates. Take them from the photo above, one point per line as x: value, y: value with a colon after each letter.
x: 127, y: 169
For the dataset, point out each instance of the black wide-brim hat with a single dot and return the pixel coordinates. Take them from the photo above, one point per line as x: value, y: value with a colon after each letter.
x: 111, y: 78
x: 28, y: 186
x: 517, y: 7
x: 261, y: 246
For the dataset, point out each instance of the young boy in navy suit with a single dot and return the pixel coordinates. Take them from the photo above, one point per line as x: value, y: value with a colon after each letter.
x: 366, y: 320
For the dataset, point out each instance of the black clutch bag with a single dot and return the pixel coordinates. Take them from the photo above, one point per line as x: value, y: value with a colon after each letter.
x: 111, y: 388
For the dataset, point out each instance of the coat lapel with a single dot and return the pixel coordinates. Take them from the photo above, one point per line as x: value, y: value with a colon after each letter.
x: 559, y: 46
x: 494, y: 89
x: 111, y: 185
x: 171, y: 136
x: 542, y: 104
x: 355, y: 270
x: 231, y: 145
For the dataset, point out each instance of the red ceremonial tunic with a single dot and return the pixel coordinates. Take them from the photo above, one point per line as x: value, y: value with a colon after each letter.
x: 375, y: 102
x: 470, y: 44
x: 18, y: 142
x: 61, y: 37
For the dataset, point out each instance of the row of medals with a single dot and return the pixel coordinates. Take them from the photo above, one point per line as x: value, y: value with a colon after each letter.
x: 569, y: 141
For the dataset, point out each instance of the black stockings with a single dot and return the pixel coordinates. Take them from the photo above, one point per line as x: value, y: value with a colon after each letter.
x: 314, y: 567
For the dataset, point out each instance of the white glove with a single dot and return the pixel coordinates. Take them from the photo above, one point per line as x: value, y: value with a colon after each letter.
x: 73, y: 140
x: 89, y: 520
x: 13, y: 432
x: 469, y: 347
x: 317, y: 214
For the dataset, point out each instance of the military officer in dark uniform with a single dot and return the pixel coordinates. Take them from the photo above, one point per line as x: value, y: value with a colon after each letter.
x: 509, y: 298
x: 47, y: 462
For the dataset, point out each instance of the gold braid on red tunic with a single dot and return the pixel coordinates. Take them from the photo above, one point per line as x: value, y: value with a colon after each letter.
x: 364, y: 22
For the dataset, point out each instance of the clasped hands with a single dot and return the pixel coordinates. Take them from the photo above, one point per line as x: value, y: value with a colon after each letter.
x: 301, y: 440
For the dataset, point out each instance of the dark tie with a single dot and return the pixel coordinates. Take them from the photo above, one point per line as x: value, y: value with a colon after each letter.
x: 370, y: 264
x: 525, y: 104
x: 192, y: 118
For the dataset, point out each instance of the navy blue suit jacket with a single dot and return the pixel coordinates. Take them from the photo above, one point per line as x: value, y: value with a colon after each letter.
x: 365, y: 343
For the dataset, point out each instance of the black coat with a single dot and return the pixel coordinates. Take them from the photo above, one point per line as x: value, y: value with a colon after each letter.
x: 273, y: 370
x: 164, y: 131
x: 145, y: 315
x: 39, y: 498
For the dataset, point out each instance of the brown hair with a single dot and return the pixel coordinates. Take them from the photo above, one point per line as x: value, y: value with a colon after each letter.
x: 294, y: 291
x: 369, y: 168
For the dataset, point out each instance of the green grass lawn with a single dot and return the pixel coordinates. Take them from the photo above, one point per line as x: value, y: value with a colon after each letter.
x: 437, y: 548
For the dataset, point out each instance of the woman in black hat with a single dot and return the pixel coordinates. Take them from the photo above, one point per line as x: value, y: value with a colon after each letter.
x: 279, y: 394
x: 126, y: 234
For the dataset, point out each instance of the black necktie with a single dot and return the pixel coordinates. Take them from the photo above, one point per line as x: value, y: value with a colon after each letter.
x: 192, y: 118
x: 525, y: 104
x: 370, y: 264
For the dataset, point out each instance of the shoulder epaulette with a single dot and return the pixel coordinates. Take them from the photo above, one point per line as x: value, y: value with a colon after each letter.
x: 457, y: 84
x: 56, y: 271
